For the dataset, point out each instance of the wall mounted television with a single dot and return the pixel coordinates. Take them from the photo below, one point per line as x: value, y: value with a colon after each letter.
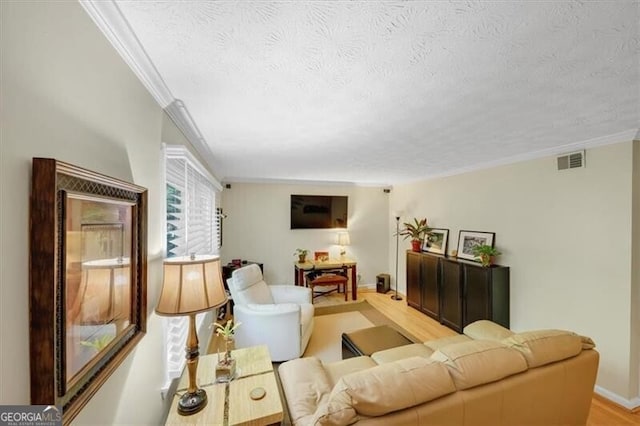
x: 319, y: 211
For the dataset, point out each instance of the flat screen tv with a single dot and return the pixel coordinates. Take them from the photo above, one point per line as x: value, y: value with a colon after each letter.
x: 318, y: 211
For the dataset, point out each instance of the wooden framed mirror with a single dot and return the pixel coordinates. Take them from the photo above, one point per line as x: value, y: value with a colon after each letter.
x: 87, y: 287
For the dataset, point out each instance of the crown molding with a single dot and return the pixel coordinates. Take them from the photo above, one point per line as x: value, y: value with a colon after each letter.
x: 180, y: 115
x: 110, y: 20
x: 267, y: 181
x: 627, y: 135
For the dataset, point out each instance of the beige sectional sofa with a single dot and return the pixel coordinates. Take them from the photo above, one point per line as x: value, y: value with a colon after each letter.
x: 487, y: 376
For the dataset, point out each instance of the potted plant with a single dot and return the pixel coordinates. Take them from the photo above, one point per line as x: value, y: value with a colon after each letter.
x: 226, y: 367
x: 302, y: 255
x: 416, y: 231
x: 485, y: 254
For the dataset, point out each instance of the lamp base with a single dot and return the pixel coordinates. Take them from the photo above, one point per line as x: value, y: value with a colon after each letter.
x: 396, y: 297
x: 191, y: 403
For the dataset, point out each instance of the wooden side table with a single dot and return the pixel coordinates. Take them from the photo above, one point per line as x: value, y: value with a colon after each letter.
x: 245, y: 411
x: 230, y: 403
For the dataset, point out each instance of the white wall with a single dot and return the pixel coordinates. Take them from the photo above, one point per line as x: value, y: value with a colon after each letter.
x: 258, y: 228
x: 66, y: 94
x: 566, y: 236
x: 634, y: 382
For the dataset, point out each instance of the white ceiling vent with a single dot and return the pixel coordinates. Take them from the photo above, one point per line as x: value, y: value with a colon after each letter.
x: 572, y: 160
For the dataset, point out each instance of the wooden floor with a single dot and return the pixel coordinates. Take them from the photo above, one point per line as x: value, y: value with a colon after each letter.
x: 603, y: 412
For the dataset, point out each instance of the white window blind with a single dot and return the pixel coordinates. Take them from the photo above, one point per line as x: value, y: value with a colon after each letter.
x: 192, y: 226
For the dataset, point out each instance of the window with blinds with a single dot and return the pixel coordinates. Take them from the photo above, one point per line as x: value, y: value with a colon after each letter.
x: 191, y: 211
x: 192, y: 226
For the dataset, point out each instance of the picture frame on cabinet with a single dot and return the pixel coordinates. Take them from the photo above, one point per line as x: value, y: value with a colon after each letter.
x: 436, y: 241
x: 467, y: 240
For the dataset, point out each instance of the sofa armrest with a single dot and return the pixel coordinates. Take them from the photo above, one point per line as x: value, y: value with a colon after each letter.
x: 305, y: 385
x: 290, y: 294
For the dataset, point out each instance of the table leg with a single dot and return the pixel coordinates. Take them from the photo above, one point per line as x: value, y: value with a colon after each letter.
x: 296, y: 275
x: 299, y: 277
x: 354, y: 283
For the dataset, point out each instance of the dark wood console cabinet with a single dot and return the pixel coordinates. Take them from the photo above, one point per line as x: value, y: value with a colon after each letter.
x: 456, y: 292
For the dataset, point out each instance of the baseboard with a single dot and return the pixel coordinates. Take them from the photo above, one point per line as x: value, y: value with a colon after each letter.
x: 632, y: 405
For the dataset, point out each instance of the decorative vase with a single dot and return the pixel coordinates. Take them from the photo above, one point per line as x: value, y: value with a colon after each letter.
x: 416, y: 245
x: 226, y: 366
x: 302, y: 258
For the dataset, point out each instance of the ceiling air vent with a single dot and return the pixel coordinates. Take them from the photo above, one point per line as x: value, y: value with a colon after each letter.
x: 572, y: 160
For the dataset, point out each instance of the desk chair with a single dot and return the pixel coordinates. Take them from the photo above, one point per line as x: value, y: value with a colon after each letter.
x: 329, y: 277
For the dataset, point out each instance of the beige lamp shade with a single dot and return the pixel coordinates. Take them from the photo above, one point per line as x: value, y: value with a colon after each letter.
x: 105, y: 292
x: 191, y: 285
x: 343, y: 239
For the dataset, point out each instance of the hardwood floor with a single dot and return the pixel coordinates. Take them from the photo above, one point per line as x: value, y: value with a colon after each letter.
x: 603, y: 412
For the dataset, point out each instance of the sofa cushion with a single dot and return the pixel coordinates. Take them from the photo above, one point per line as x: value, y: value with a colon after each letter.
x: 305, y: 384
x: 487, y: 330
x: 477, y: 362
x: 542, y: 347
x: 436, y: 344
x: 335, y: 370
x: 389, y: 387
x: 401, y: 352
x: 337, y: 410
x: 587, y: 343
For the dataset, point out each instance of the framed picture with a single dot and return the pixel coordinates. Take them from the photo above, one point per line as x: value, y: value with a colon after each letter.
x: 321, y: 256
x: 467, y: 240
x: 436, y: 241
x: 88, y: 298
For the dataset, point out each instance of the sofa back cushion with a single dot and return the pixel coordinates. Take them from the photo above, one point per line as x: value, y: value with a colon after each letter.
x: 487, y: 330
x: 478, y: 362
x: 542, y: 347
x: 385, y: 388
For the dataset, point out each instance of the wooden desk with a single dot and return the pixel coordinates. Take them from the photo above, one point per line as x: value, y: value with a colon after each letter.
x: 310, y: 265
x: 254, y: 369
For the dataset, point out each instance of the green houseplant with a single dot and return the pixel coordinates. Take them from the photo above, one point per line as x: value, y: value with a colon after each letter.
x: 485, y: 254
x: 416, y: 231
x: 302, y: 255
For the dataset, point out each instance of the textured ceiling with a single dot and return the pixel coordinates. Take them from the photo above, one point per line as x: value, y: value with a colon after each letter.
x: 392, y: 91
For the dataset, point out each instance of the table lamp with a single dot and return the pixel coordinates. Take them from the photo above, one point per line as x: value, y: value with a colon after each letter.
x: 104, y: 295
x: 343, y: 240
x: 191, y: 285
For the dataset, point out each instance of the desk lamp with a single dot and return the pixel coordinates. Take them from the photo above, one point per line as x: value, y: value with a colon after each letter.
x: 343, y: 240
x: 191, y: 285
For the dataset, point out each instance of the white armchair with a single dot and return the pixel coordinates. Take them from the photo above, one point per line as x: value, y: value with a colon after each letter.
x: 280, y: 316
